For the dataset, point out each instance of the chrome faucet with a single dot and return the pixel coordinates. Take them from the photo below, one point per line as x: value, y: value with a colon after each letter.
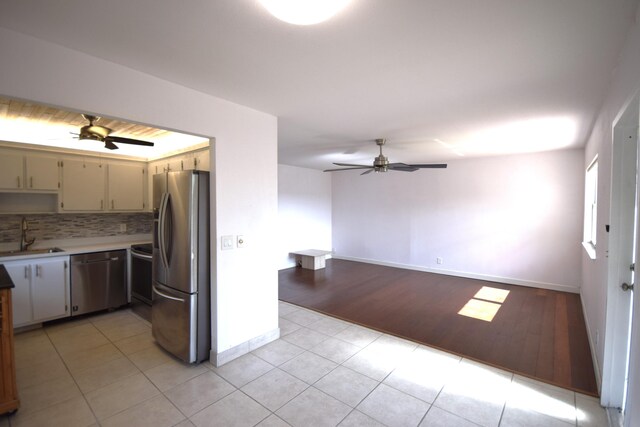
x: 24, y: 242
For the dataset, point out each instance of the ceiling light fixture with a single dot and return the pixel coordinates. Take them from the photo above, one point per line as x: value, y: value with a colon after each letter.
x: 304, y: 12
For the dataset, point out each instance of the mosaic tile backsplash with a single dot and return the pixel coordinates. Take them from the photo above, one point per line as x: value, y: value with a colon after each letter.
x: 70, y: 226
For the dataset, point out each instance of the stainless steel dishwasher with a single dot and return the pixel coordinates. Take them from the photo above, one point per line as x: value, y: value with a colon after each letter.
x: 98, y: 281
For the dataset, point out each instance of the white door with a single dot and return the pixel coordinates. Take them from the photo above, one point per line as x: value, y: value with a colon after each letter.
x: 622, y: 259
x: 20, y: 273
x: 632, y: 403
x: 49, y: 288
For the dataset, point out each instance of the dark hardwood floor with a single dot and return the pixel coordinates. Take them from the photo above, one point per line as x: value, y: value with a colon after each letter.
x: 538, y: 333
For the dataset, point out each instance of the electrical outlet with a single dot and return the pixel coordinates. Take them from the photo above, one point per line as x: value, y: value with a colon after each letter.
x: 439, y: 260
x: 227, y: 243
x: 123, y: 227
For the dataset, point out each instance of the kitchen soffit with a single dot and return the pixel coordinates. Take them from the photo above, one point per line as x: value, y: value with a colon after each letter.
x: 31, y: 123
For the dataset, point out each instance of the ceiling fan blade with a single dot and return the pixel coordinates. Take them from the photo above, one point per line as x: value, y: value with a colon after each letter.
x: 401, y: 167
x: 430, y: 166
x: 110, y: 145
x: 404, y: 169
x: 350, y: 164
x: 128, y: 141
x: 366, y: 172
x: 348, y: 169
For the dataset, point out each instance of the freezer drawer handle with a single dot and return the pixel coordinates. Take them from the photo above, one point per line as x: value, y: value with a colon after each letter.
x: 166, y: 296
x: 141, y: 255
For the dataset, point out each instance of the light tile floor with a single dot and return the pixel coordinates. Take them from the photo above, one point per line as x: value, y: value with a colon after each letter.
x: 106, y: 370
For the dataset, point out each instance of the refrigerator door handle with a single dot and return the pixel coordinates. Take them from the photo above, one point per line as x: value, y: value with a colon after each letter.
x: 167, y: 296
x: 162, y: 230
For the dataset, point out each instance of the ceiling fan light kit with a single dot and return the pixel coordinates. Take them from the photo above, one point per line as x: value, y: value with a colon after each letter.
x: 381, y: 164
x: 93, y: 132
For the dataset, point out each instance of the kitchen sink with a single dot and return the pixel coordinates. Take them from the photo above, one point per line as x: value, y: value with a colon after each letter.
x: 31, y: 252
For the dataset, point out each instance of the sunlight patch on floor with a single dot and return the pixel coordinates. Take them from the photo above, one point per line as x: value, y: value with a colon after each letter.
x: 488, y: 293
x: 482, y: 310
x: 485, y: 303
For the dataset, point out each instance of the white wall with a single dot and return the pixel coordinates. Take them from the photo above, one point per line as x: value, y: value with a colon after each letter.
x: 304, y: 211
x: 244, y: 281
x: 625, y: 84
x: 517, y: 219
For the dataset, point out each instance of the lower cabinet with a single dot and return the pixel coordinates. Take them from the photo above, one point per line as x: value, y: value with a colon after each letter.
x: 41, y: 290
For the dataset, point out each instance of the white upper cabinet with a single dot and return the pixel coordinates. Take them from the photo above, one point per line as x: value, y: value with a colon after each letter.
x: 41, y: 172
x: 175, y: 164
x: 126, y: 187
x: 11, y: 171
x: 42, y: 181
x: 201, y: 160
x: 159, y: 166
x: 83, y: 185
x: 28, y: 172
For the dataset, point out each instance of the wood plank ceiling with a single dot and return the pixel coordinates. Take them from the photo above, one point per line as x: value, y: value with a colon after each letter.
x: 14, y: 109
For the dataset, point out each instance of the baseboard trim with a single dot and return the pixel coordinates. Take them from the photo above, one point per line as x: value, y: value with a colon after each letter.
x: 226, y: 356
x: 592, y: 346
x: 499, y: 279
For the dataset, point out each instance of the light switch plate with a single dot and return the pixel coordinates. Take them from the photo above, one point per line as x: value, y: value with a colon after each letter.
x: 242, y: 241
x: 227, y: 243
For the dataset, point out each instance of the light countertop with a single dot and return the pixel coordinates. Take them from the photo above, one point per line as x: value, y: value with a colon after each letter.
x: 79, y: 246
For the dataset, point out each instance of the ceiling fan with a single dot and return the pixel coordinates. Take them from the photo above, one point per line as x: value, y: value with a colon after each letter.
x: 102, y: 133
x: 381, y: 164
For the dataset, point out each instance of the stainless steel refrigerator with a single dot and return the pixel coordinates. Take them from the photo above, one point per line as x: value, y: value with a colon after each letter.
x: 180, y: 314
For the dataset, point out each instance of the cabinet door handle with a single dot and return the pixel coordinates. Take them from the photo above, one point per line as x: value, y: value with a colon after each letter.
x: 101, y: 204
x: 38, y: 270
x: 18, y: 181
x: 31, y: 181
x: 112, y: 204
x: 26, y: 271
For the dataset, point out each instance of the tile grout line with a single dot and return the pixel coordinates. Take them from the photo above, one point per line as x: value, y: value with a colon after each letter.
x: 84, y: 397
x: 147, y: 378
x: 504, y: 405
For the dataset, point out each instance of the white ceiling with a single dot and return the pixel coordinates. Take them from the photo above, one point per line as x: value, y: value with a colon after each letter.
x: 438, y: 78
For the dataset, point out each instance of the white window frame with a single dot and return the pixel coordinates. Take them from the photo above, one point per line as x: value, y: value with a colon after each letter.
x: 591, y: 208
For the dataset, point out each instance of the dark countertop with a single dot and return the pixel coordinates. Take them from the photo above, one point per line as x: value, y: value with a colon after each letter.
x: 5, y: 279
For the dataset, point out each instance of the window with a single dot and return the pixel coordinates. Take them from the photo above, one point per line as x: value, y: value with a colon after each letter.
x: 591, y: 208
